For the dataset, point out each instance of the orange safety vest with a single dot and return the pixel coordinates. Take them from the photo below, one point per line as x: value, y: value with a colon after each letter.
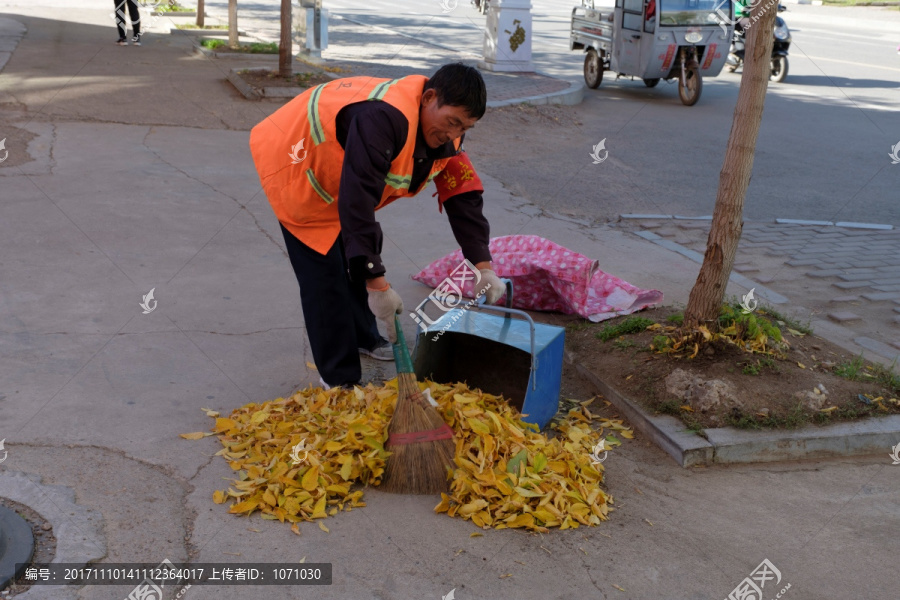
x: 299, y: 159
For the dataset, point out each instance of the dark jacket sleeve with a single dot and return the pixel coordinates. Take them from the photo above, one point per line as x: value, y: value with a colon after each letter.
x: 470, y: 227
x: 372, y: 133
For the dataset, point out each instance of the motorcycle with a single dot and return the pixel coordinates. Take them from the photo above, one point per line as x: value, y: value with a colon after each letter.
x: 779, y: 64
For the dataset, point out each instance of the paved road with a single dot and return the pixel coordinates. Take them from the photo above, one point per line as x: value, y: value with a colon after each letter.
x: 823, y: 147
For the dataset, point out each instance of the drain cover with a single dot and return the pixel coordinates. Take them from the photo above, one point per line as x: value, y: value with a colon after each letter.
x: 16, y: 545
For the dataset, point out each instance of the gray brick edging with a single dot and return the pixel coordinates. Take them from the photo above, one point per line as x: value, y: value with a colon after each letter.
x: 727, y: 445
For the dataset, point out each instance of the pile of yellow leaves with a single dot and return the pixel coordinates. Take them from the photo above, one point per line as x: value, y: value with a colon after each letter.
x: 509, y: 475
x: 298, y: 458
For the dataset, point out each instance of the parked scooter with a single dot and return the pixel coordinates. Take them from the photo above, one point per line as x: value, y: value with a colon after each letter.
x: 779, y: 65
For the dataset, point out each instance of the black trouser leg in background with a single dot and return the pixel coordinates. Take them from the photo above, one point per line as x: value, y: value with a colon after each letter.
x: 335, y: 309
x: 134, y: 13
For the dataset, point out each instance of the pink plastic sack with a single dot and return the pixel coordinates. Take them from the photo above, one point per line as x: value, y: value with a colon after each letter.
x: 549, y: 277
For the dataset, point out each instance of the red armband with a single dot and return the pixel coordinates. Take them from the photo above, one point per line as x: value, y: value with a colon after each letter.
x: 458, y: 177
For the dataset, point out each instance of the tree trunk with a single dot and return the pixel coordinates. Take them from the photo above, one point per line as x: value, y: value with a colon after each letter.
x: 201, y: 9
x: 232, y: 24
x: 721, y: 247
x: 285, y: 67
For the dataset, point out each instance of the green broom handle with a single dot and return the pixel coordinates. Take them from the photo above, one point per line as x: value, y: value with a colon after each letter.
x: 401, y: 351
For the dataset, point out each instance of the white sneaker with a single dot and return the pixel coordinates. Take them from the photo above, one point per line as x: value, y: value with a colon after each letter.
x: 384, y: 352
x: 326, y: 387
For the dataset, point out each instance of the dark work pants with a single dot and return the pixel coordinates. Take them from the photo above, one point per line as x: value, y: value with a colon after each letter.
x: 120, y: 17
x: 335, y: 309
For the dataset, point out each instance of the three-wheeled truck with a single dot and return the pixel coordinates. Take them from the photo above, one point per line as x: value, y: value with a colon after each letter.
x: 653, y: 40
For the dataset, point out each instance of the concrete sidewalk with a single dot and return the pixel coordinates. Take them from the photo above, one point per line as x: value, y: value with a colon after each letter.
x: 129, y: 170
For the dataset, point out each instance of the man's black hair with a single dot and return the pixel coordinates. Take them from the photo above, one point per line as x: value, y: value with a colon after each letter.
x: 459, y: 85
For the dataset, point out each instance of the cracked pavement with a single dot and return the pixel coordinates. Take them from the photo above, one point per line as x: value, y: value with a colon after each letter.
x: 130, y: 171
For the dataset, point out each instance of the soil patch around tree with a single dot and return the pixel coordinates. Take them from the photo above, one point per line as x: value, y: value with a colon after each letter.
x: 260, y: 79
x: 811, y: 381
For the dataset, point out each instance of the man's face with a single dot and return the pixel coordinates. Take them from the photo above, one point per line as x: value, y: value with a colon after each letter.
x: 441, y: 124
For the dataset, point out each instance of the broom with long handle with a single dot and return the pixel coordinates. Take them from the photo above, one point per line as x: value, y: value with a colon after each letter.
x: 420, y: 442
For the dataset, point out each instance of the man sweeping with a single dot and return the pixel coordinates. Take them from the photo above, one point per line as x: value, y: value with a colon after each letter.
x: 340, y: 151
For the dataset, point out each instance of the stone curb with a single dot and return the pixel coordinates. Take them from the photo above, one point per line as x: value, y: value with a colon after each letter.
x: 727, y: 445
x: 250, y: 93
x: 78, y: 530
x: 568, y: 97
x: 666, y: 431
x: 192, y: 13
x: 220, y: 32
x: 232, y: 55
x: 777, y: 220
x: 242, y: 86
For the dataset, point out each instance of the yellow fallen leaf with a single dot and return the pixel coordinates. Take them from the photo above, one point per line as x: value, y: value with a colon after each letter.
x: 295, y: 529
x: 311, y: 479
x: 323, y: 528
x: 219, y: 497
x: 476, y: 534
x: 505, y: 576
x: 619, y: 588
x: 507, y: 474
x: 829, y: 409
x: 197, y: 435
x: 801, y: 365
x: 223, y: 425
x: 311, y: 366
x: 245, y: 506
x: 259, y: 417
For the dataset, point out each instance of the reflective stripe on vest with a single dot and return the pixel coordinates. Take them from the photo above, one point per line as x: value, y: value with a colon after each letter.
x: 318, y: 187
x: 399, y: 182
x: 312, y: 114
x: 379, y: 92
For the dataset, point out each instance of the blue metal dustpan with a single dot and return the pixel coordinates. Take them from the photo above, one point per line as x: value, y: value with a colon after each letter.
x: 518, y: 358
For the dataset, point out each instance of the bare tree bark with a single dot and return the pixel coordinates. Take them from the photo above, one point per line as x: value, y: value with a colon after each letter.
x: 721, y: 247
x: 232, y: 24
x: 285, y: 54
x: 201, y: 16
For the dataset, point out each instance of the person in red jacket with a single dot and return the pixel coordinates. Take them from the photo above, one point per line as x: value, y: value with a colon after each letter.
x: 340, y: 151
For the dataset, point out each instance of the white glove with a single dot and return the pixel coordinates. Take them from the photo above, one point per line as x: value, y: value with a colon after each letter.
x: 384, y: 305
x: 490, y: 286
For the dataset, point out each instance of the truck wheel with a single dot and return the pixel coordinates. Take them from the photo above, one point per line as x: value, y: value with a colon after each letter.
x: 689, y: 91
x: 779, y: 69
x: 593, y: 69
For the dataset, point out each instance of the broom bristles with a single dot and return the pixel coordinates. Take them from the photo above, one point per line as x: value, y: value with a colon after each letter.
x: 416, y: 467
